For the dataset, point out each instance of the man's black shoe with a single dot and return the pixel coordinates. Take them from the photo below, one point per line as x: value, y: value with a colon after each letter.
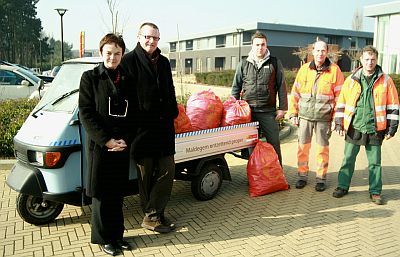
x: 124, y: 245
x: 111, y: 249
x: 319, y: 187
x: 339, y: 192
x: 167, y: 222
x: 301, y: 184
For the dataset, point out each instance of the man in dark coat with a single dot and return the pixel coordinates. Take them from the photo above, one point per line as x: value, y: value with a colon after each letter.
x: 154, y: 146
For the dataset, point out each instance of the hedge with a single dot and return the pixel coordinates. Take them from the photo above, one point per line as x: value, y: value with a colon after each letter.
x: 13, y: 113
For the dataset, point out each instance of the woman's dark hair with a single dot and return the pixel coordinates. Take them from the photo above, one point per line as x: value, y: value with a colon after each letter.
x: 112, y: 38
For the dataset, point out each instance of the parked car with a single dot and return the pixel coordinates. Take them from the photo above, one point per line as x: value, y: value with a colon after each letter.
x: 45, y: 78
x: 55, y: 70
x: 16, y: 82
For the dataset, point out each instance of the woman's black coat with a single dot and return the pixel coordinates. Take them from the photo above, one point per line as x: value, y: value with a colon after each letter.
x: 108, y: 172
x: 157, y: 106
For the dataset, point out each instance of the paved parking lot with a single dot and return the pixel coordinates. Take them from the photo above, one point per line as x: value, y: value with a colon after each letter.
x: 287, y: 223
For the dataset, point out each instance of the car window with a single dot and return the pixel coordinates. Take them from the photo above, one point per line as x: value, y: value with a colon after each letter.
x: 10, y: 78
x: 28, y: 74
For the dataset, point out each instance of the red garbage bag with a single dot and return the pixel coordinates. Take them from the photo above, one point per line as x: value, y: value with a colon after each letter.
x: 235, y: 112
x: 264, y: 172
x: 204, y: 110
x: 182, y: 122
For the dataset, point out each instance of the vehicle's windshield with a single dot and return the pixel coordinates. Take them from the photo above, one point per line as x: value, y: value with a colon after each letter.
x: 67, y: 80
x: 28, y: 74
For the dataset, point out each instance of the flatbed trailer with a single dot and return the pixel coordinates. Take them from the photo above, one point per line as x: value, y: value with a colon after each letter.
x: 200, y: 155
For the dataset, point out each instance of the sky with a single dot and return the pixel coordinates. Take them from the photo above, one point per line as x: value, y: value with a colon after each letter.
x: 191, y: 17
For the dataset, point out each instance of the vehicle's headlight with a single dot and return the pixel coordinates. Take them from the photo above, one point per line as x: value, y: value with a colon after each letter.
x: 39, y: 158
x: 47, y: 159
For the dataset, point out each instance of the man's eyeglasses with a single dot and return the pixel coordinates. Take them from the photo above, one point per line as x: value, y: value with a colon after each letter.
x: 151, y: 37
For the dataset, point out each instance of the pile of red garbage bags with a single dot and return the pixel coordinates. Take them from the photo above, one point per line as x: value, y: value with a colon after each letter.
x: 205, y: 110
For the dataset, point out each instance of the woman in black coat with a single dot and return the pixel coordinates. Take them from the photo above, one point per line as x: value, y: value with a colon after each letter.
x: 105, y: 110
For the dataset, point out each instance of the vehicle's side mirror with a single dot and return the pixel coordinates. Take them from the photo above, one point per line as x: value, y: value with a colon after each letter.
x: 41, y: 87
x: 41, y: 84
x: 25, y: 83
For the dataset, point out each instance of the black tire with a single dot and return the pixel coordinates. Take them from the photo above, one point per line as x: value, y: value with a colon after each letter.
x: 206, y: 185
x: 37, y: 211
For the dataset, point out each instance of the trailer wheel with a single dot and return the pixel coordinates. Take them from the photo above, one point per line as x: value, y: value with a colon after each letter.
x: 37, y: 211
x: 206, y: 185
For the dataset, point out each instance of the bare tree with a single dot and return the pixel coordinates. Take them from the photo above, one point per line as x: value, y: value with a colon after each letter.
x: 114, y: 14
x: 302, y: 53
x: 354, y: 54
x: 357, y: 22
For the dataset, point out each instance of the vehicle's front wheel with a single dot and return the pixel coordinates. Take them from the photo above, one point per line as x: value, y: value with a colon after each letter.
x: 206, y: 185
x: 37, y: 211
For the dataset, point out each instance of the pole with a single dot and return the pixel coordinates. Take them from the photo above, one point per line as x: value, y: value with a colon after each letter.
x: 62, y: 39
x: 239, y: 30
x: 61, y: 12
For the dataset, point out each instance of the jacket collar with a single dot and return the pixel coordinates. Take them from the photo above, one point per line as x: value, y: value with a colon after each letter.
x: 325, y: 66
x: 358, y: 72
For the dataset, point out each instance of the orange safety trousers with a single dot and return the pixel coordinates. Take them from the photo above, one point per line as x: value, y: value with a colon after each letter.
x: 322, y: 132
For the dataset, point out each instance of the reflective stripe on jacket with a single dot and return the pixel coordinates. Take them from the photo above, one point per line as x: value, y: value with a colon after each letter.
x: 314, y: 93
x: 385, y: 97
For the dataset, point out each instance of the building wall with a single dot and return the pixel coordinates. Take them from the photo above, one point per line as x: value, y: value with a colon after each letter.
x: 210, y: 52
x: 387, y: 42
x: 386, y: 36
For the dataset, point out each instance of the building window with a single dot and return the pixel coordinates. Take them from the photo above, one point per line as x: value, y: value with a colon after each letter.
x: 333, y: 40
x: 199, y: 65
x: 246, y: 38
x: 173, y: 64
x: 208, y: 64
x: 353, y: 44
x: 233, y: 62
x: 188, y: 66
x: 219, y: 63
x: 189, y: 45
x: 235, y: 39
x: 369, y: 41
x: 220, y: 41
x: 172, y: 47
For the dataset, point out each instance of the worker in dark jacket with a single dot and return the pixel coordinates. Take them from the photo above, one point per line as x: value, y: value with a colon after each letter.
x: 259, y: 80
x: 106, y: 106
x: 154, y: 145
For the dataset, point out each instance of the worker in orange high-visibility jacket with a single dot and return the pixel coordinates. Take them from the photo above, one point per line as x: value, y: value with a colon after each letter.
x: 367, y: 111
x: 312, y: 102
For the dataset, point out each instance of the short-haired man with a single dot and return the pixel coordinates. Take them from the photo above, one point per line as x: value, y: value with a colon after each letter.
x: 312, y: 103
x: 258, y: 80
x: 367, y: 112
x: 154, y: 146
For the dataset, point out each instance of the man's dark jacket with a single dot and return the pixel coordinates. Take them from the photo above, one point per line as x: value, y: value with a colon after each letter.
x: 157, y: 104
x: 260, y: 86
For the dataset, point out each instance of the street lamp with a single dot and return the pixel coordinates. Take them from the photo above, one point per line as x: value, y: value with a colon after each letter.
x: 61, y: 12
x: 240, y: 31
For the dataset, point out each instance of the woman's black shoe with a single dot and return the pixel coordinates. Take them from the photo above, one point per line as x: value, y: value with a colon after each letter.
x: 111, y: 249
x: 124, y: 245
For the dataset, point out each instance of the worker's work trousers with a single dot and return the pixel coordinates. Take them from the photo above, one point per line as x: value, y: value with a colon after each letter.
x: 155, y: 179
x: 269, y: 126
x: 322, y: 130
x: 374, y: 166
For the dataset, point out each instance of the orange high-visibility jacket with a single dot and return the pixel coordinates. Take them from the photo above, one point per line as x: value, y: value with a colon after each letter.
x: 386, y: 102
x: 314, y: 95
